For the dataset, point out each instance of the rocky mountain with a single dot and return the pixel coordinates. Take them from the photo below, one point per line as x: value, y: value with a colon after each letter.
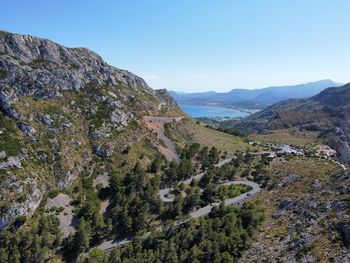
x: 326, y: 113
x: 83, y: 167
x: 63, y: 109
x: 256, y: 98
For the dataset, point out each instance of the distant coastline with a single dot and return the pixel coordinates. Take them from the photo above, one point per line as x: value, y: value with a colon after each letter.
x: 223, y: 106
x: 214, y: 111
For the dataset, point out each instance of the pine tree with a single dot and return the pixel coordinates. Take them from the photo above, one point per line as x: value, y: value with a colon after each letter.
x: 82, y: 235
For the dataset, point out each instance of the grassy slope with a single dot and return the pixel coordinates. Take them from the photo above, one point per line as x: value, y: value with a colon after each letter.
x: 288, y: 136
x: 189, y: 131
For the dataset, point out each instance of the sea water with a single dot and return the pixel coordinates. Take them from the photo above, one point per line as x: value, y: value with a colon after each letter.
x: 197, y: 111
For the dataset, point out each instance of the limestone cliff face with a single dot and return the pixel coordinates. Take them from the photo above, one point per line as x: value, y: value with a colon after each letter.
x: 61, y: 108
x: 41, y: 68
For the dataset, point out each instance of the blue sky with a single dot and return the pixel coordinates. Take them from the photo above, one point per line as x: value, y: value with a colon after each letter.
x: 199, y: 45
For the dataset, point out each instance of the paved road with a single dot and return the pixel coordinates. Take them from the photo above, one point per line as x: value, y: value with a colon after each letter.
x: 239, y: 200
x: 206, y: 210
x: 110, y: 244
x: 161, y: 119
x: 166, y: 191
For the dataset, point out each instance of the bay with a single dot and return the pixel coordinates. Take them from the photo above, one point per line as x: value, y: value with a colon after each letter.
x: 197, y: 111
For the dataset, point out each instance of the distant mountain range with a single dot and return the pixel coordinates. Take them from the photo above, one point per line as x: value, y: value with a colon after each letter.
x: 256, y: 98
x: 327, y: 113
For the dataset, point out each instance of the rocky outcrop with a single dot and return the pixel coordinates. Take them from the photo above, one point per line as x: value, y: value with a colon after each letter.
x: 102, y: 152
x: 11, y: 161
x: 339, y: 139
x: 43, y: 69
x: 26, y: 205
x: 165, y: 98
x: 344, y: 230
x: 65, y: 106
x: 301, y: 220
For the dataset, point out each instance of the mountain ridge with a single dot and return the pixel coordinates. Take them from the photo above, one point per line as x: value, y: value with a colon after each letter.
x: 255, y: 98
x: 82, y: 166
x: 327, y: 112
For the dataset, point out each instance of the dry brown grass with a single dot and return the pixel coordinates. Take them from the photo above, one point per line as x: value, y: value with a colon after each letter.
x: 309, y: 170
x: 189, y: 130
x: 288, y: 136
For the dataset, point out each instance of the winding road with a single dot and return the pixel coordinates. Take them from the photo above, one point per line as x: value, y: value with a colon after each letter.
x: 206, y: 209
x: 238, y: 200
x: 156, y: 124
x: 166, y: 191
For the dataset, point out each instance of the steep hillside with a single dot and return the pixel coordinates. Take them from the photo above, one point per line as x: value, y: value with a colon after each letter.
x: 326, y: 113
x: 257, y: 98
x: 63, y: 111
x: 95, y: 166
x: 85, y: 150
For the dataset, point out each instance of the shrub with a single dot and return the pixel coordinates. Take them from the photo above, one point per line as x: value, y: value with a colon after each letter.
x: 3, y: 74
x: 9, y: 141
x: 53, y: 193
x: 59, y: 209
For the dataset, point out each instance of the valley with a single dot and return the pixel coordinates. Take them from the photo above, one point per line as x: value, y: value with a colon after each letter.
x: 96, y: 166
x: 254, y: 189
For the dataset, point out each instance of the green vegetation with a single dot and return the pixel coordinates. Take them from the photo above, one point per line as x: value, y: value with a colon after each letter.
x: 157, y: 164
x: 40, y: 63
x: 129, y: 205
x: 226, y: 126
x: 75, y: 66
x: 102, y: 113
x: 53, y: 109
x: 185, y: 169
x: 189, y: 130
x: 34, y: 244
x: 135, y: 202
x: 309, y: 170
x: 220, y: 237
x: 3, y: 74
x: 9, y: 138
x: 115, y: 196
x: 2, y: 32
x: 167, y: 130
x: 214, y: 193
x: 82, y: 200
x: 95, y: 118
x: 288, y: 136
x: 135, y: 209
x: 92, y: 227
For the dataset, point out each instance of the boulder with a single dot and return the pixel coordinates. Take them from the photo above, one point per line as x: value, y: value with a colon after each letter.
x: 102, y: 152
x: 46, y: 119
x: 2, y: 155
x: 344, y: 229
x: 286, y: 203
x: 25, y: 127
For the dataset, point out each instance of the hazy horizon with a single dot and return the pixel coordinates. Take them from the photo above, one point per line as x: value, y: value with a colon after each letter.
x: 257, y: 88
x: 199, y: 46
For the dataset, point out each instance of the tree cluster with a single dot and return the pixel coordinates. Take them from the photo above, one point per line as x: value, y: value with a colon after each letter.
x: 220, y: 237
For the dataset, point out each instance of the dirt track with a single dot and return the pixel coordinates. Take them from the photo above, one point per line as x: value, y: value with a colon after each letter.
x: 157, y: 125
